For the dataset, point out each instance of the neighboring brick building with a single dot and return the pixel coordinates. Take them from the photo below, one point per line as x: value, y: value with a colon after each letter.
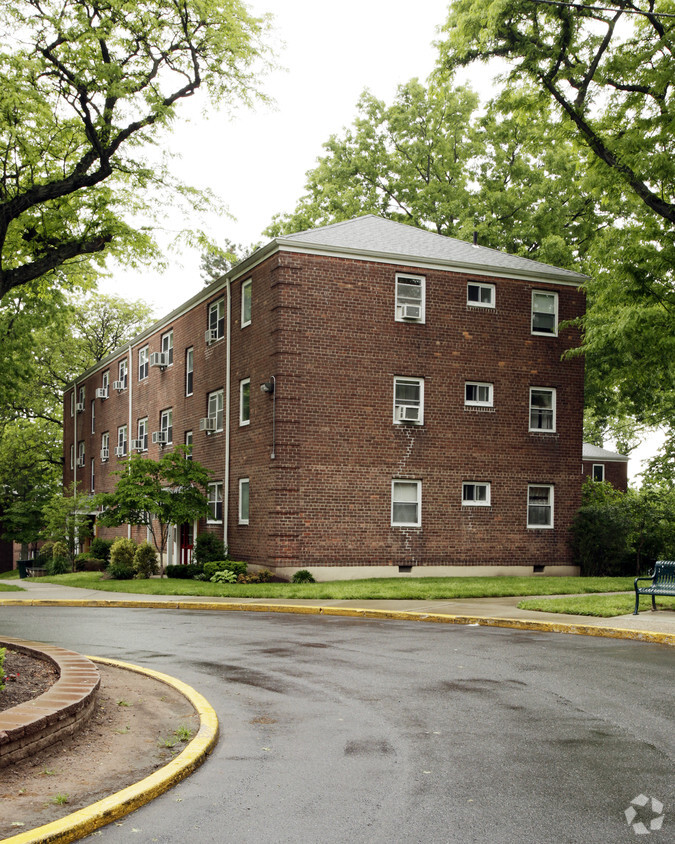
x: 603, y: 465
x: 417, y: 411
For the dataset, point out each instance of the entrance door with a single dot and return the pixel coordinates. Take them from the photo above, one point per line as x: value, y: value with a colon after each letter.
x: 186, y: 543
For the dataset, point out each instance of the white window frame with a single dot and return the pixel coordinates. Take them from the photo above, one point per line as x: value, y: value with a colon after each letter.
x: 188, y: 441
x: 93, y: 416
x: 189, y: 370
x: 419, y: 382
x: 600, y: 466
x: 246, y: 297
x: 397, y: 482
x: 215, y: 407
x: 216, y: 318
x: 81, y: 396
x: 554, y: 296
x: 489, y: 402
x: 142, y: 429
x: 549, y: 505
x: 72, y: 403
x: 245, y: 382
x: 474, y: 501
x: 105, y: 381
x: 123, y: 372
x: 122, y: 439
x: 401, y: 278
x: 167, y: 346
x: 72, y: 455
x: 166, y: 424
x: 105, y: 443
x: 81, y: 457
x: 482, y: 287
x: 143, y: 362
x: 92, y: 476
x: 215, y: 497
x: 244, y: 517
x: 540, y: 430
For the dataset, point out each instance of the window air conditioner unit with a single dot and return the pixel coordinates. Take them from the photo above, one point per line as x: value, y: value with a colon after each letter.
x: 105, y: 454
x: 119, y: 451
x: 159, y: 437
x: 119, y: 386
x: 159, y: 359
x: 137, y: 445
x: 80, y: 462
x: 80, y: 407
x: 208, y: 424
x: 211, y: 335
x: 102, y: 393
x: 411, y: 312
x: 407, y: 413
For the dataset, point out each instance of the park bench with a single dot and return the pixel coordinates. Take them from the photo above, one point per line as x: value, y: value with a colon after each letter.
x: 663, y: 583
x: 36, y: 572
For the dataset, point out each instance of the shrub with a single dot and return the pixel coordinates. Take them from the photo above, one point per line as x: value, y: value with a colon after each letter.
x: 187, y: 572
x: 263, y: 576
x: 209, y: 548
x: 303, y: 576
x: 224, y: 576
x: 58, y: 565
x: 45, y: 554
x: 60, y: 549
x: 91, y: 564
x: 213, y: 566
x: 145, y: 561
x: 100, y: 548
x: 118, y: 571
x: 121, y: 566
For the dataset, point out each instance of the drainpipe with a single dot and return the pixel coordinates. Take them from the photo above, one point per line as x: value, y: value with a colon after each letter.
x: 74, y: 406
x: 130, y: 381
x: 226, y: 485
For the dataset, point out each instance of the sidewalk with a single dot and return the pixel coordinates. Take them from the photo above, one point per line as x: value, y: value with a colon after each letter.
x: 662, y: 622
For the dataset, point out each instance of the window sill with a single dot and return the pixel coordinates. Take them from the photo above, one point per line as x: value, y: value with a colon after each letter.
x: 478, y: 408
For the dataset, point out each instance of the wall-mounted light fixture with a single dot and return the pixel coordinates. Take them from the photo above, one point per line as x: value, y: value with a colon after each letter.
x: 269, y: 388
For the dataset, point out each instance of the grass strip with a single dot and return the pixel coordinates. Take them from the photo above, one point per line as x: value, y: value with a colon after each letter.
x: 601, y: 606
x: 8, y: 587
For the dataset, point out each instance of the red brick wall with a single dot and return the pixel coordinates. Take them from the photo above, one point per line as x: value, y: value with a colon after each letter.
x: 616, y: 473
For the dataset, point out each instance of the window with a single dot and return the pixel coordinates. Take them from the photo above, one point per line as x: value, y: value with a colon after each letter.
x: 167, y: 347
x: 93, y: 417
x: 243, y: 500
x: 166, y: 425
x: 123, y: 372
x: 105, y: 446
x: 244, y: 401
x: 122, y: 441
x: 80, y: 455
x: 599, y: 472
x: 189, y: 370
x: 408, y: 400
x: 72, y: 404
x: 542, y: 409
x: 475, y: 494
x: 143, y: 363
x: 143, y: 434
x: 216, y: 321
x: 478, y: 393
x: 246, y: 303
x: 539, y: 506
x: 188, y: 445
x: 80, y: 400
x: 72, y: 456
x: 93, y: 474
x: 215, y: 502
x: 409, y: 298
x: 480, y: 295
x: 105, y: 382
x: 406, y: 500
x: 215, y: 408
x: 544, y: 313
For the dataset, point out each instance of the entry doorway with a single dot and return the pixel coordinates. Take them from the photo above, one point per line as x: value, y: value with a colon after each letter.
x: 187, y: 541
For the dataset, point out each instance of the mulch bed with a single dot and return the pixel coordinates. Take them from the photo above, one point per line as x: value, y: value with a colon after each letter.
x: 26, y: 677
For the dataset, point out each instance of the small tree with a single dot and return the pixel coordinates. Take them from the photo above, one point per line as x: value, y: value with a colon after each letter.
x: 68, y: 519
x: 157, y: 494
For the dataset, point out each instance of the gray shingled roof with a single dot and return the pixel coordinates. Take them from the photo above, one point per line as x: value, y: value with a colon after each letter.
x: 371, y: 235
x: 594, y: 452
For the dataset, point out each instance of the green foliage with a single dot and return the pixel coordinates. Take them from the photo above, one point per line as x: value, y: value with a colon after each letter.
x: 100, y: 548
x: 184, y: 572
x: 303, y: 576
x: 262, y: 576
x: 58, y: 565
x: 45, y: 554
x: 67, y: 520
x: 122, y: 553
x: 209, y: 547
x: 223, y: 576
x: 145, y: 561
x: 213, y: 566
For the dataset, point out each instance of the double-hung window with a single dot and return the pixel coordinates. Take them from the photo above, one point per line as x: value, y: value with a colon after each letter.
x: 540, y: 506
x: 80, y: 400
x: 245, y: 401
x: 216, y: 321
x: 544, y: 313
x: 406, y: 503
x: 143, y: 363
x: 246, y: 290
x: 215, y: 502
x: 92, y: 475
x: 105, y: 383
x: 410, y: 297
x: 475, y: 494
x: 598, y: 472
x: 166, y: 426
x: 215, y: 408
x: 93, y: 417
x: 542, y: 409
x: 478, y: 394
x: 167, y: 347
x: 189, y: 370
x: 243, y: 500
x: 72, y: 403
x: 142, y: 443
x: 80, y: 455
x: 188, y: 445
x: 72, y: 455
x: 123, y: 373
x: 408, y: 400
x: 105, y: 446
x: 480, y: 295
x: 122, y: 441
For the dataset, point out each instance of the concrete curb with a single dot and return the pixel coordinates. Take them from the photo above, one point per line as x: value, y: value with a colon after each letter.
x: 87, y: 820
x: 355, y: 612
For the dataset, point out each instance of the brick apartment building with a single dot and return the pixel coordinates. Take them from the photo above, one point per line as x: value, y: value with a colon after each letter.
x: 371, y: 399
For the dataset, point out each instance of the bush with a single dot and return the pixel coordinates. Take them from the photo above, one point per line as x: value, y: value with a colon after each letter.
x: 91, y: 564
x: 209, y: 548
x: 58, y: 565
x: 118, y: 571
x: 187, y: 572
x: 224, y: 576
x: 60, y: 549
x: 212, y: 567
x: 121, y: 565
x: 45, y: 554
x: 100, y: 549
x: 145, y: 561
x: 263, y: 576
x: 303, y: 576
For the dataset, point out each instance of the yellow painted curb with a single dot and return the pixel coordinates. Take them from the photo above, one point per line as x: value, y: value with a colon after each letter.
x: 358, y: 612
x: 85, y: 821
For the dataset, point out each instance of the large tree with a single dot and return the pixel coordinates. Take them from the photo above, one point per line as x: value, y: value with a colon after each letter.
x: 85, y: 85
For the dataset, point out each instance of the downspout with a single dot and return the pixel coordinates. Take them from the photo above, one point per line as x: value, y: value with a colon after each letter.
x: 130, y: 381
x: 74, y: 406
x: 226, y: 485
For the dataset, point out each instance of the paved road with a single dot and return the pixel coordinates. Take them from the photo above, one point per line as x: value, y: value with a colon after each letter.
x: 338, y: 730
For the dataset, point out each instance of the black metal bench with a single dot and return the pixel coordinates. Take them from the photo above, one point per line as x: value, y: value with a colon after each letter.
x: 663, y: 583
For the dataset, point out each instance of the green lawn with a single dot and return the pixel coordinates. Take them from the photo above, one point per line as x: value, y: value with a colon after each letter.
x: 9, y: 575
x: 8, y: 587
x: 604, y: 606
x: 412, y: 588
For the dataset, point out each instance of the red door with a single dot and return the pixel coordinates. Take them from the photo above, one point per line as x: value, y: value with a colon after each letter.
x: 186, y: 543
